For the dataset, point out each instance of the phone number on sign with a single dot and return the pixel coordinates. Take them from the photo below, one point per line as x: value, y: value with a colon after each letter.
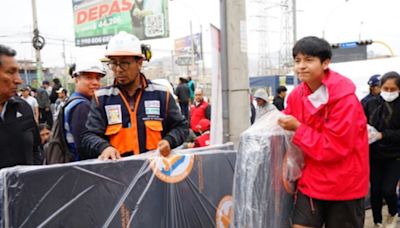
x: 93, y: 40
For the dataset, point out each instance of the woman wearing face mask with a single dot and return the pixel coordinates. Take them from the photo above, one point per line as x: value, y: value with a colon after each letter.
x: 383, y: 114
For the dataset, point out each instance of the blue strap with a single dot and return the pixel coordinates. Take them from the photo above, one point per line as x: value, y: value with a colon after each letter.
x: 70, y: 105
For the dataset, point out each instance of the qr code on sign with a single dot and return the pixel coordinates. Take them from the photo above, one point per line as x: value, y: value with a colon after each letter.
x: 154, y: 25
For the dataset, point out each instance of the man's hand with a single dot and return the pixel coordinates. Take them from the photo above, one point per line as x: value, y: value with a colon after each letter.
x: 109, y: 153
x: 164, y: 147
x: 289, y: 123
x: 190, y: 145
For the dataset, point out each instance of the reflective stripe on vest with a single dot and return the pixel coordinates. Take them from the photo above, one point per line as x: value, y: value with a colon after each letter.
x: 67, y: 128
x: 133, y: 134
x: 126, y: 139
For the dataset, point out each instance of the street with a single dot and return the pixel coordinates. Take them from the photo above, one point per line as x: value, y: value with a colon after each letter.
x: 369, y: 223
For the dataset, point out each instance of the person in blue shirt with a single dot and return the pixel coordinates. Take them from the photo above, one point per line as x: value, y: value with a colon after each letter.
x: 87, y: 75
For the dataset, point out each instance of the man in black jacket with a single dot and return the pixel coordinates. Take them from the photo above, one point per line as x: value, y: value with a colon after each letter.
x: 183, y: 94
x: 279, y: 99
x: 19, y: 135
x: 44, y: 104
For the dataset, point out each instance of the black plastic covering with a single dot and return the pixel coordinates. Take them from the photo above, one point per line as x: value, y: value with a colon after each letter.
x: 138, y: 191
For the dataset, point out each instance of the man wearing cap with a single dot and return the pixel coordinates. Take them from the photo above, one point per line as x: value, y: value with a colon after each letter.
x: 263, y: 105
x: 19, y: 134
x: 134, y: 115
x: 374, y: 89
x: 87, y: 75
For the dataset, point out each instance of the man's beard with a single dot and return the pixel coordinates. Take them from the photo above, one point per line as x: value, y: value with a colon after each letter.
x: 126, y: 85
x: 130, y: 83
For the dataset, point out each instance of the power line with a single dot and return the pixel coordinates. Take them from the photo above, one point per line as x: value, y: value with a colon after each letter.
x: 14, y: 34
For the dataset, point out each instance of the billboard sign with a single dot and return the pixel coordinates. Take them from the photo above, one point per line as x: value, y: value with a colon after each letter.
x: 349, y: 54
x: 96, y: 21
x: 348, y: 45
x: 183, y: 47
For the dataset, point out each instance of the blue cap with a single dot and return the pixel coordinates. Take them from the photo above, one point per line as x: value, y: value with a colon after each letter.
x: 374, y: 80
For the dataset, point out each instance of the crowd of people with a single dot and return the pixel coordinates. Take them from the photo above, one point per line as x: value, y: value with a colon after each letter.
x: 136, y: 115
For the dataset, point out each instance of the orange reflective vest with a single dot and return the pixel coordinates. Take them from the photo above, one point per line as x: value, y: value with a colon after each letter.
x: 138, y: 130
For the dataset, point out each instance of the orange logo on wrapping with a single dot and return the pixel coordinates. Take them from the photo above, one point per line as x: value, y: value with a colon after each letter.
x: 224, y: 212
x: 173, y: 169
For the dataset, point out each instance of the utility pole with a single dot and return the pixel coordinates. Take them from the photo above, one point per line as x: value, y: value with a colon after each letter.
x: 294, y: 12
x: 202, y: 54
x: 192, y: 49
x: 234, y: 72
x: 26, y: 73
x: 65, y: 75
x: 39, y: 71
x: 172, y: 67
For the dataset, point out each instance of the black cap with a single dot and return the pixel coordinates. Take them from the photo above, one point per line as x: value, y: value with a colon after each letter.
x: 374, y: 80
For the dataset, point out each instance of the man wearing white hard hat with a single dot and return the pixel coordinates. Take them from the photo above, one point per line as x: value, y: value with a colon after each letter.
x: 87, y: 75
x: 263, y: 105
x: 134, y: 115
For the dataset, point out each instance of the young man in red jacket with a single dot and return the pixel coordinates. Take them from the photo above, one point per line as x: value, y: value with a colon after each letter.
x: 330, y: 128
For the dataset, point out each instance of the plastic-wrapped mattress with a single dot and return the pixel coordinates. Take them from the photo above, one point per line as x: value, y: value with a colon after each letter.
x: 267, y: 166
x: 192, y: 188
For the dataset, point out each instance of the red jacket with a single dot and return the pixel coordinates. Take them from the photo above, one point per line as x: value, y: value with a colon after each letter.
x: 333, y: 138
x: 202, y: 140
x: 197, y: 113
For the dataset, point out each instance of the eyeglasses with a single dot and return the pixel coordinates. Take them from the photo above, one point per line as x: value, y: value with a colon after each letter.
x: 124, y: 65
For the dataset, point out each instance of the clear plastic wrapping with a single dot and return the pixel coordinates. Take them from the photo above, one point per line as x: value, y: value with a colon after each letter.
x: 267, y: 166
x: 192, y: 188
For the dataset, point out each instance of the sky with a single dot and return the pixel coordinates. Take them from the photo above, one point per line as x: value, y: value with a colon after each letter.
x: 336, y: 20
x: 55, y: 22
x: 351, y: 20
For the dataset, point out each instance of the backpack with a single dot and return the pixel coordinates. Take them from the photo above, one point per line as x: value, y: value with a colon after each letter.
x: 56, y: 150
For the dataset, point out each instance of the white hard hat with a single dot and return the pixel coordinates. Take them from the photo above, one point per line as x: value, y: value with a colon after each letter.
x: 124, y: 44
x: 262, y: 94
x: 93, y: 66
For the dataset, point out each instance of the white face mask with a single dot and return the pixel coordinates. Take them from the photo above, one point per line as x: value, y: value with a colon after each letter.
x: 389, y: 96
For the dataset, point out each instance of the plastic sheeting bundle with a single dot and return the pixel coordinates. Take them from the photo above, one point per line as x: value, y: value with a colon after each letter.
x: 267, y: 166
x: 191, y: 188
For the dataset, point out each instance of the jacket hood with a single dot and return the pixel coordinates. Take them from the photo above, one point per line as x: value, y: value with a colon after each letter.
x: 335, y: 87
x: 338, y: 86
